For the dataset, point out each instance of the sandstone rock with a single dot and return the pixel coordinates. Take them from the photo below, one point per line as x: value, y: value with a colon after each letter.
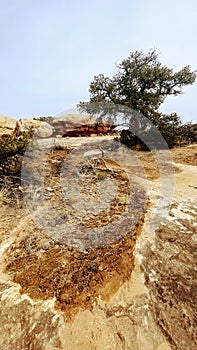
x: 45, y: 130
x: 170, y: 276
x: 42, y: 129
x: 8, y: 126
x: 81, y: 125
x: 136, y: 294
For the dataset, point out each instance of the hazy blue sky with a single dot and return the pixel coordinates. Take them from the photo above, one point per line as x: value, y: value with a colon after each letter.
x: 51, y: 49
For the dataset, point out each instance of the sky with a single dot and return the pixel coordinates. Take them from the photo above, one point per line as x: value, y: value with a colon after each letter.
x: 50, y: 50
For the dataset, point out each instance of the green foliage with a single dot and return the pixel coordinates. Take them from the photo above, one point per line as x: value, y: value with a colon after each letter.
x: 130, y: 140
x: 101, y: 175
x: 187, y: 133
x: 11, y: 145
x: 142, y: 84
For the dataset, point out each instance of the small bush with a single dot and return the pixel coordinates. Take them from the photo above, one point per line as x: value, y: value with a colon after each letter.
x: 101, y: 176
x: 131, y: 141
x: 170, y: 135
x: 11, y: 145
x: 187, y: 133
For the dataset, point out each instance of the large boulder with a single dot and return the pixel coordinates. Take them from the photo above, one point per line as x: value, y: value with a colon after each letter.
x: 45, y: 130
x: 8, y: 126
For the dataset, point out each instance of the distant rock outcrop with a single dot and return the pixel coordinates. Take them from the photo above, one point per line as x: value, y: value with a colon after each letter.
x: 68, y: 125
x: 81, y: 125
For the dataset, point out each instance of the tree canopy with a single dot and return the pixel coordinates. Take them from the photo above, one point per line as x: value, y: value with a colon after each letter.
x: 141, y: 83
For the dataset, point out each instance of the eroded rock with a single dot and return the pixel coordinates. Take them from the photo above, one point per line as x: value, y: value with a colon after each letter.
x: 41, y: 128
x: 171, y: 276
x: 8, y: 126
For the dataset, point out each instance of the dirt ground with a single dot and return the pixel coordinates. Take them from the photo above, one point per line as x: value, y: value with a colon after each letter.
x: 93, y: 281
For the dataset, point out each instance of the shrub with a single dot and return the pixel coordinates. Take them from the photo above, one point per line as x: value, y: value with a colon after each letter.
x: 167, y: 126
x: 11, y: 145
x: 187, y: 133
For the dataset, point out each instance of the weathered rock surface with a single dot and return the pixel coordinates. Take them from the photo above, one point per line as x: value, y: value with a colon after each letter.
x: 8, y: 126
x: 138, y: 293
x: 42, y: 128
x: 68, y: 125
x: 80, y: 125
x: 169, y: 267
